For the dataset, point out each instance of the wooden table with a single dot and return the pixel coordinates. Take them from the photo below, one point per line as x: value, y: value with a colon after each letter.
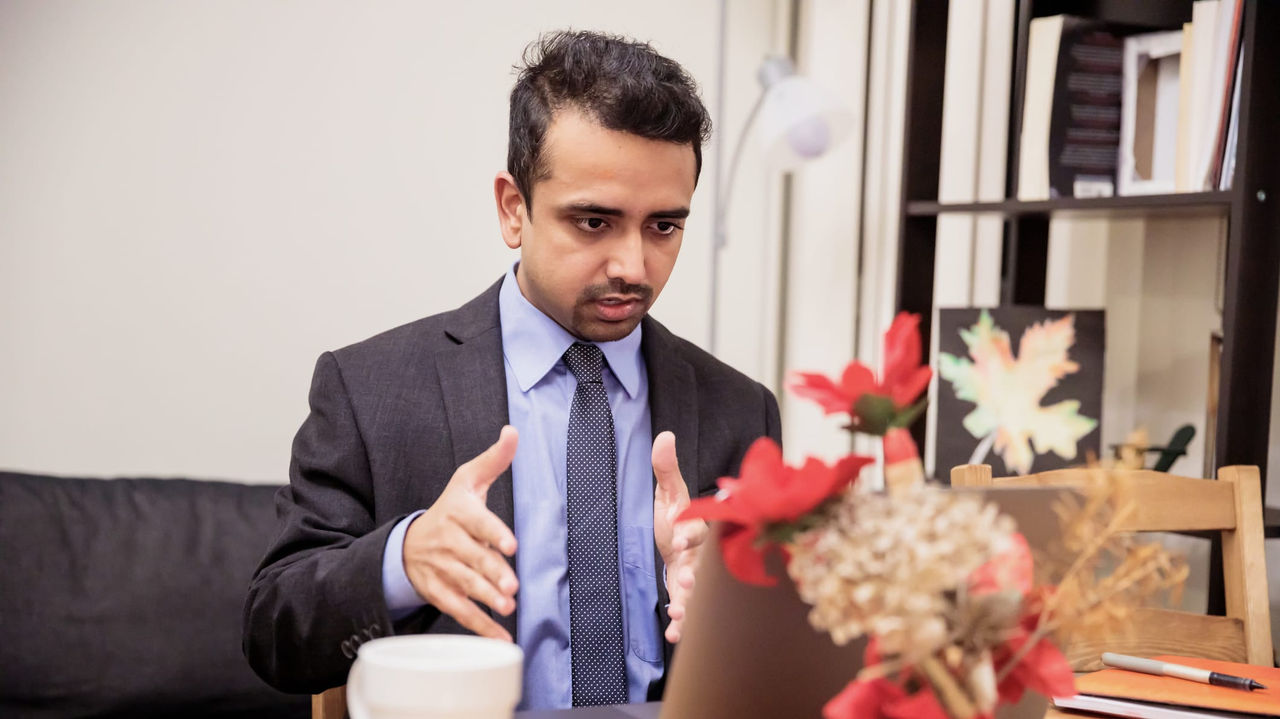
x: 652, y: 709
x: 625, y: 711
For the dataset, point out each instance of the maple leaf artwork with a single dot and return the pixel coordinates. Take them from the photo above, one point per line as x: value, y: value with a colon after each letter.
x: 1006, y: 391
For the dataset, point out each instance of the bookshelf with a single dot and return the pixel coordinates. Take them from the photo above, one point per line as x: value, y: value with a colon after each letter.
x: 1251, y: 207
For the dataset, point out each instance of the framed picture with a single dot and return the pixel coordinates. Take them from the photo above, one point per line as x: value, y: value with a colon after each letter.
x: 1019, y: 388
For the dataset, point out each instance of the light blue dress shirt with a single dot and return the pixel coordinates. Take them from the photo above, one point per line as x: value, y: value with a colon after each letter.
x: 539, y: 394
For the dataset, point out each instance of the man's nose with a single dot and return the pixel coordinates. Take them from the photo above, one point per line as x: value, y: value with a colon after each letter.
x: 626, y: 259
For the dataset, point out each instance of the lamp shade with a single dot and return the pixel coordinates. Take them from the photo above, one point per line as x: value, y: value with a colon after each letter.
x: 798, y: 121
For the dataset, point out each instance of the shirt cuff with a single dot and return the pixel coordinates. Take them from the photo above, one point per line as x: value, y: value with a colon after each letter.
x: 402, y: 599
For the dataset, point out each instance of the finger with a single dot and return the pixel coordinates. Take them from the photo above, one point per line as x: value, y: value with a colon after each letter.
x: 485, y: 527
x: 696, y: 532
x: 673, y: 631
x: 486, y: 561
x: 676, y: 611
x: 450, y: 601
x: 475, y: 585
x: 665, y: 467
x: 685, y: 577
x: 491, y: 463
x: 689, y: 535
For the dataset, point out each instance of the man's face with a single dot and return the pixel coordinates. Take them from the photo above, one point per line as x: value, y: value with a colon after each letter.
x: 606, y: 226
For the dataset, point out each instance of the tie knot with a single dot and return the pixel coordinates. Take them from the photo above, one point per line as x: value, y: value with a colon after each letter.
x: 585, y: 361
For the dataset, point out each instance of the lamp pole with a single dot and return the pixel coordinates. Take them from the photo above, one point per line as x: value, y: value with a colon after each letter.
x: 771, y: 71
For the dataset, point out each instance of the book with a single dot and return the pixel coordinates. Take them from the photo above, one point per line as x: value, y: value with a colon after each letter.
x: 1140, y: 710
x: 1186, y: 110
x: 1071, y: 109
x: 1222, y: 66
x: 1230, y: 82
x: 1204, y: 28
x: 1121, y: 684
x: 1229, y: 152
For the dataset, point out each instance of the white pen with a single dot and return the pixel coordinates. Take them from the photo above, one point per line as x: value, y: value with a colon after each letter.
x: 1181, y: 671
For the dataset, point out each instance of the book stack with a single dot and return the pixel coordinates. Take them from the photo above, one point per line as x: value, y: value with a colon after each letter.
x: 1122, y: 693
x: 1108, y: 110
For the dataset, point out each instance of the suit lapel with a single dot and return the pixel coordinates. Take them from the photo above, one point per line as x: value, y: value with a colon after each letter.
x: 473, y: 384
x: 673, y: 405
x: 673, y: 398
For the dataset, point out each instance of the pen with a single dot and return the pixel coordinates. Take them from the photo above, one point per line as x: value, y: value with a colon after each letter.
x: 1204, y: 676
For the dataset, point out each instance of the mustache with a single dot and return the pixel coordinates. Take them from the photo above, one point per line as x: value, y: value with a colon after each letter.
x: 617, y: 287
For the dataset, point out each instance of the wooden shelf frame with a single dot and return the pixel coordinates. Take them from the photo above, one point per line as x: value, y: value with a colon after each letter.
x: 1216, y: 203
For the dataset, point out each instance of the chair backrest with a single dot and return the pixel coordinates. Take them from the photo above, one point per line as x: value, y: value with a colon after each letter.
x: 331, y: 704
x: 1232, y: 505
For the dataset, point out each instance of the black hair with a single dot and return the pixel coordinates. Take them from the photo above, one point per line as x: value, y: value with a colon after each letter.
x: 622, y: 84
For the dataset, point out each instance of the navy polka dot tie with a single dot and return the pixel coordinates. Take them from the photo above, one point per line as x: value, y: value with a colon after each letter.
x: 595, y: 599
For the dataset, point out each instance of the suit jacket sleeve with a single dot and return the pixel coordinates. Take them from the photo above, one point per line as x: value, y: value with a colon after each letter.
x: 318, y: 592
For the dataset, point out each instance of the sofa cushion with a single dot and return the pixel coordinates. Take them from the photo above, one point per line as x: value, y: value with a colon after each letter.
x: 124, y: 597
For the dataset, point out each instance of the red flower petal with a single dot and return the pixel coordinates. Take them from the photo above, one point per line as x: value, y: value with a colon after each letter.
x: 862, y: 700
x: 743, y: 559
x: 711, y: 509
x: 856, y: 380
x: 812, y: 484
x: 901, y: 348
x: 1044, y: 669
x: 907, y: 389
x: 822, y: 390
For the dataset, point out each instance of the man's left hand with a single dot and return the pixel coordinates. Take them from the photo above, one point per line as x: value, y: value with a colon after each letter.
x: 678, y: 542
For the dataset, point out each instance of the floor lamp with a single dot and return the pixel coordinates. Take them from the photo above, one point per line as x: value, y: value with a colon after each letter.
x: 797, y: 123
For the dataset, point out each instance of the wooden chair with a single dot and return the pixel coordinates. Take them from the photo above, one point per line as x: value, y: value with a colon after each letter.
x: 1232, y: 505
x: 332, y: 704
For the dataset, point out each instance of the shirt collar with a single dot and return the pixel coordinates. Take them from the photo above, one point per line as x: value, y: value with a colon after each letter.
x: 533, y: 343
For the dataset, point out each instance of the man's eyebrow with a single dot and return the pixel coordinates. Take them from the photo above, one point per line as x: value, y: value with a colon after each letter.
x: 591, y: 208
x: 678, y: 213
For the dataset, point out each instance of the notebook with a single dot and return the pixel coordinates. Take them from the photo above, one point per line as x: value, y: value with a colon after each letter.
x: 1159, y: 697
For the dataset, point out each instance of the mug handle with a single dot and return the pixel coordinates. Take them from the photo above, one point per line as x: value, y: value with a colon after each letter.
x: 356, y: 708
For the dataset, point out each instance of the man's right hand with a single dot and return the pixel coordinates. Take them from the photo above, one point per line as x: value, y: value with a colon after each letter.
x: 453, y: 552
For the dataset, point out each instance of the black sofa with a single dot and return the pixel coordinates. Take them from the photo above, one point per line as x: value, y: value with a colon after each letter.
x: 124, y: 597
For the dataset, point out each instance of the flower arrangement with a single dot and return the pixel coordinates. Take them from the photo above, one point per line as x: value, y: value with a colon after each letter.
x: 959, y: 615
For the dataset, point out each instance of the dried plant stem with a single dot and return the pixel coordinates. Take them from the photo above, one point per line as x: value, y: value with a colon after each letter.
x: 954, y: 700
x: 1043, y: 626
x: 1088, y: 554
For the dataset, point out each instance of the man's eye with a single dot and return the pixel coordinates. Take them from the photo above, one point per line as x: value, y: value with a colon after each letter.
x: 666, y: 228
x: 592, y: 224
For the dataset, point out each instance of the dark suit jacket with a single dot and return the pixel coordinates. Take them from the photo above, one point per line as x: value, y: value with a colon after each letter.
x: 391, y: 419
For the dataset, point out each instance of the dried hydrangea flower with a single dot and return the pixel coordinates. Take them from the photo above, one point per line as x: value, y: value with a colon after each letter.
x: 891, y: 566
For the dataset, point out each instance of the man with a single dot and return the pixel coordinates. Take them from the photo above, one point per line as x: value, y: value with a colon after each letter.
x: 514, y: 468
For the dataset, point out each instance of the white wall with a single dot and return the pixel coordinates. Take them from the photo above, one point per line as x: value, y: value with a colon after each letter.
x: 196, y: 199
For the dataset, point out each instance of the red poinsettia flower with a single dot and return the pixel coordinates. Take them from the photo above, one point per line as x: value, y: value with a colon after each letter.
x: 901, y: 382
x: 768, y: 492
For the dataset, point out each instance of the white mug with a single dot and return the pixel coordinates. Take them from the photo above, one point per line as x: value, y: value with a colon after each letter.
x: 435, y: 676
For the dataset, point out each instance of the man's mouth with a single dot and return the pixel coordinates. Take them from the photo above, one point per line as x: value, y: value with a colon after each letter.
x: 618, y: 308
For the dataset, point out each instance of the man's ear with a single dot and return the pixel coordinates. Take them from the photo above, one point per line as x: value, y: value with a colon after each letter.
x: 512, y: 213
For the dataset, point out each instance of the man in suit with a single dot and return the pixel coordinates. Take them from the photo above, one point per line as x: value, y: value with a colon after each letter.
x: 515, y: 467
